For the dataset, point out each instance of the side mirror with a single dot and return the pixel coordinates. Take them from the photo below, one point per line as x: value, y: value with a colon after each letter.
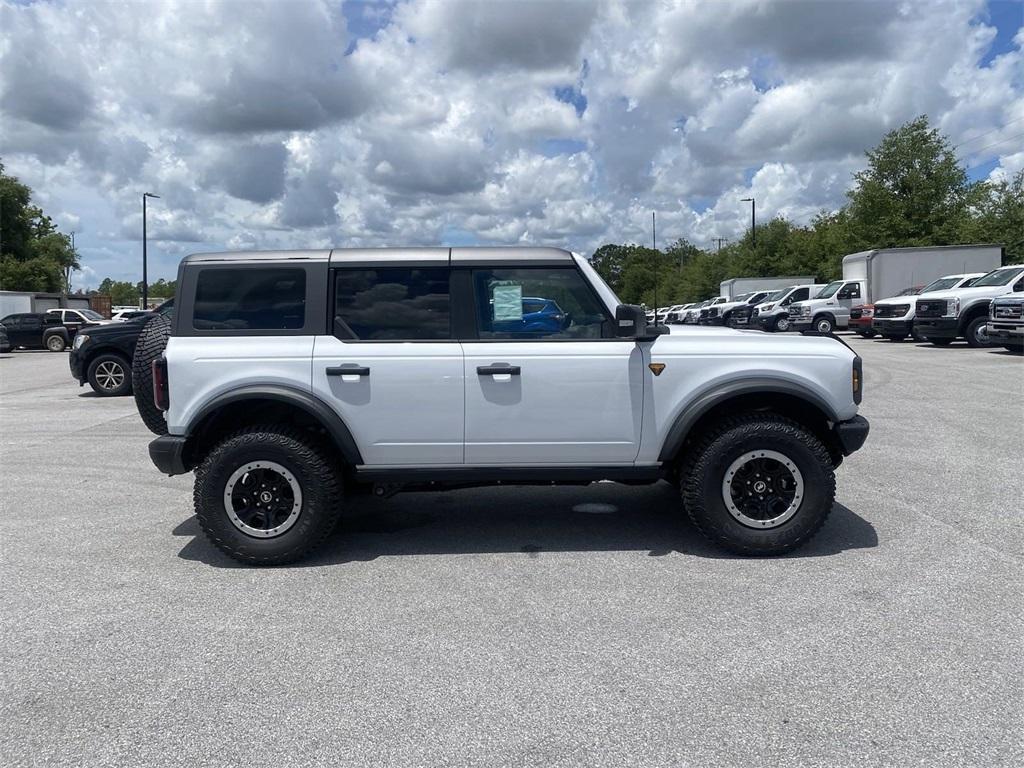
x: 631, y: 323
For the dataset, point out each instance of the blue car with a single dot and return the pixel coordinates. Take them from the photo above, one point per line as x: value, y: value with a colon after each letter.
x: 539, y: 316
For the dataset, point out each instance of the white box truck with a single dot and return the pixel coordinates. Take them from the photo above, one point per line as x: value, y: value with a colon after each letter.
x: 882, y: 273
x: 737, y: 286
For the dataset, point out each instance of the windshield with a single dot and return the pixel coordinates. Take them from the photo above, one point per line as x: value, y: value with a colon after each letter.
x: 829, y: 290
x: 743, y: 297
x: 940, y: 284
x: 998, y: 277
x: 777, y: 295
x: 90, y: 315
x: 910, y: 291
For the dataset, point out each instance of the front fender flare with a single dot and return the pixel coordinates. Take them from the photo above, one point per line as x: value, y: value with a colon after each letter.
x: 719, y: 393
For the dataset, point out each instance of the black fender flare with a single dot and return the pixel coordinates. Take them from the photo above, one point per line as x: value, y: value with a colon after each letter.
x: 61, y: 331
x: 719, y: 393
x: 969, y: 313
x: 310, y: 403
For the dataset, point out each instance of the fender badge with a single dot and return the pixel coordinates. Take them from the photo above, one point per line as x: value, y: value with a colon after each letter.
x: 656, y: 368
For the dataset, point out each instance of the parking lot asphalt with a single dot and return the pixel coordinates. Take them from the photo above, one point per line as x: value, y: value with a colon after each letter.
x: 521, y: 626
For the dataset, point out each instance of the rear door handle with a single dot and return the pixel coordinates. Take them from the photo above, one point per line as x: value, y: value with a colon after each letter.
x: 348, y: 370
x: 496, y: 369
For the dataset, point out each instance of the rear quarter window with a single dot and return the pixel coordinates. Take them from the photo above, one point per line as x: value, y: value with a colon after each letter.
x: 264, y: 299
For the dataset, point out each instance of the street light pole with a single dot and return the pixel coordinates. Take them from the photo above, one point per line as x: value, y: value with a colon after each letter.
x: 753, y: 219
x: 145, y: 275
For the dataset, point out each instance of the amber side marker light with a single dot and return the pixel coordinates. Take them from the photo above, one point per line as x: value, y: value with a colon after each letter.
x: 857, y: 379
x: 656, y: 368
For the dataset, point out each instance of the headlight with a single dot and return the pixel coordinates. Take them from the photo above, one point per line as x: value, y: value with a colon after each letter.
x: 952, y: 307
x: 80, y: 339
x: 767, y: 307
x: 867, y: 311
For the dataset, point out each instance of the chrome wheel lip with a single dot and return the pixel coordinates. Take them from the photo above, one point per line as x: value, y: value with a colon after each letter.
x: 110, y: 375
x: 261, y: 533
x: 787, y: 514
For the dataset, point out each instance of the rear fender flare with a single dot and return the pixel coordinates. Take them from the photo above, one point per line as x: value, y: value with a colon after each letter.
x: 326, y: 416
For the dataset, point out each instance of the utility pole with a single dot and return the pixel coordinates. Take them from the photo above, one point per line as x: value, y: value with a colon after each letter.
x: 753, y: 219
x: 67, y: 269
x: 654, y: 246
x: 719, y: 241
x: 145, y: 276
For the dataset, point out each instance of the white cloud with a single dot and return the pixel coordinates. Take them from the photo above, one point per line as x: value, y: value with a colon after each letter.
x: 265, y: 124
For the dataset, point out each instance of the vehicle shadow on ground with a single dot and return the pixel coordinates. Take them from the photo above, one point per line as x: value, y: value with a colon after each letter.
x: 531, y: 521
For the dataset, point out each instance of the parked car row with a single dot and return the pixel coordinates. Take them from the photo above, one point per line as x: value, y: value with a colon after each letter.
x: 953, y: 306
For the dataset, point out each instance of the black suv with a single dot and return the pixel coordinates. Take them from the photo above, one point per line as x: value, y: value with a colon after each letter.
x: 36, y: 330
x: 102, y: 356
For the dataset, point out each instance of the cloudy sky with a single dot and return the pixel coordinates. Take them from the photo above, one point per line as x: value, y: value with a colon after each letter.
x: 306, y: 124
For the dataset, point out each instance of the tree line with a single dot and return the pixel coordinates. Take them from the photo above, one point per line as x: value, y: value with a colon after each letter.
x: 913, y: 192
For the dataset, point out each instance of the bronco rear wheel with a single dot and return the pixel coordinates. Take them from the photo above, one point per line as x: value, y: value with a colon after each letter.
x: 267, y: 495
x: 758, y: 484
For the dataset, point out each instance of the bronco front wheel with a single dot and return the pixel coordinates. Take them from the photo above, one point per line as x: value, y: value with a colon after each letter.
x: 267, y: 495
x: 758, y: 484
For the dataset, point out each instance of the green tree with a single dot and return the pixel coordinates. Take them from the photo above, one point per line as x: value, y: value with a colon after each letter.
x: 121, y: 293
x: 34, y: 256
x: 913, y: 192
x: 997, y: 216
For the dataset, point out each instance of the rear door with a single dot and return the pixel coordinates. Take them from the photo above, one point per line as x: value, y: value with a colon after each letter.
x: 390, y: 364
x: 564, y: 394
x: 30, y: 331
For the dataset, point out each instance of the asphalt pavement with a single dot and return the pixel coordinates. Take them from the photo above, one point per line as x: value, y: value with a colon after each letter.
x: 521, y: 626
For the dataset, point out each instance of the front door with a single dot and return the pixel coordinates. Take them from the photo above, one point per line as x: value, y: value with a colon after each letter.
x: 546, y: 384
x: 391, y: 368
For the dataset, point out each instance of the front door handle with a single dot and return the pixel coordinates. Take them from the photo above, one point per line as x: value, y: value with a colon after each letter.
x: 348, y: 370
x: 497, y: 369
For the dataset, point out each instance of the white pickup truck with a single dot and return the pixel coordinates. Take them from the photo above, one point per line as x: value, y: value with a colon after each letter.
x: 893, y: 318
x: 292, y: 382
x: 943, y: 316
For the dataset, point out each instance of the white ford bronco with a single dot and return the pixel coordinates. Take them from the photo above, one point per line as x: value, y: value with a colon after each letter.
x: 293, y: 381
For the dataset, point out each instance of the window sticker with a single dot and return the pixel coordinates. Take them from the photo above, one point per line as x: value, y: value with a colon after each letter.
x: 508, y: 301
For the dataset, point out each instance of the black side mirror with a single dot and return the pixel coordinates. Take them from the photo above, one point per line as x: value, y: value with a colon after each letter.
x: 631, y: 323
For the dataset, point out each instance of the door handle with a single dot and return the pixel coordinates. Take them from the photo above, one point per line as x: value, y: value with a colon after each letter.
x: 496, y: 369
x: 348, y: 370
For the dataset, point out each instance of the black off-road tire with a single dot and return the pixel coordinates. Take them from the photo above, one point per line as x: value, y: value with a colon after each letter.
x: 151, y: 344
x: 705, y: 464
x: 971, y: 332
x: 895, y: 336
x: 318, y: 477
x: 102, y: 375
x: 939, y: 342
x: 916, y: 334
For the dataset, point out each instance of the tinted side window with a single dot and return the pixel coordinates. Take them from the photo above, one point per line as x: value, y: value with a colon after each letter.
x: 542, y: 302
x: 392, y: 304
x: 250, y: 299
x: 30, y: 323
x: 799, y: 294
